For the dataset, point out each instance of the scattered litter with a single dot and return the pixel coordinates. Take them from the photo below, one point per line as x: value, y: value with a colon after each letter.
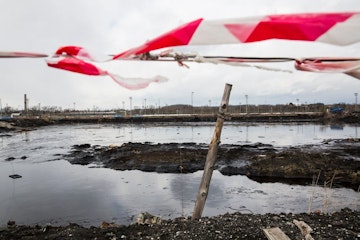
x: 305, y: 229
x: 111, y: 146
x: 147, y: 218
x: 275, y: 234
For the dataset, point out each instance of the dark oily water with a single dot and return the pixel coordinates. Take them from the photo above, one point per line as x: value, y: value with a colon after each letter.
x: 51, y: 190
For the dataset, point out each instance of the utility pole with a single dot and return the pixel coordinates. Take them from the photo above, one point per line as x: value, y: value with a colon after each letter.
x: 246, y: 97
x: 356, y: 94
x: 26, y: 102
x: 211, y: 155
x: 297, y: 100
x: 192, y: 102
x: 130, y: 98
x: 159, y: 107
x: 144, y: 106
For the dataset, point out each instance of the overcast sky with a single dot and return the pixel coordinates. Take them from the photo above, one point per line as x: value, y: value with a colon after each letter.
x: 113, y: 26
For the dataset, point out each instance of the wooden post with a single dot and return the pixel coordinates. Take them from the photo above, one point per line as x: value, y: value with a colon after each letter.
x: 211, y: 156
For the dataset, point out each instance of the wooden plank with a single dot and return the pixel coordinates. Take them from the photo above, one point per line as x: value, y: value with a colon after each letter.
x: 275, y: 234
x: 304, y: 228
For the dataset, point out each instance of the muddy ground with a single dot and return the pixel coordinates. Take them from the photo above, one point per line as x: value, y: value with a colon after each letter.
x: 331, y: 163
x: 340, y: 225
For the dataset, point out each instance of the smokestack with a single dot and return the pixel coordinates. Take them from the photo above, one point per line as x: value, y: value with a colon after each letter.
x: 25, y: 104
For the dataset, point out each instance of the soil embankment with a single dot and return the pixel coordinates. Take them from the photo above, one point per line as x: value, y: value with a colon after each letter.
x: 319, y: 117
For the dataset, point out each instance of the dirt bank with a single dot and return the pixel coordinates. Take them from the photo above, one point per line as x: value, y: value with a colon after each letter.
x: 340, y: 225
x: 284, y: 117
x: 334, y: 162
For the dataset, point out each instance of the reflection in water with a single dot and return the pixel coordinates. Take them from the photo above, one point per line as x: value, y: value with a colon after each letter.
x: 13, y: 206
x: 184, y: 188
x: 247, y: 133
x: 27, y: 136
x: 57, y: 192
x: 356, y: 131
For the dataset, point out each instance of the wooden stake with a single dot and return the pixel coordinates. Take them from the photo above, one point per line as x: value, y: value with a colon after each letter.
x: 211, y: 156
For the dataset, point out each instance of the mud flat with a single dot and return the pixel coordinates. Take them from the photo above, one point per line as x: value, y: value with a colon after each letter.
x: 332, y: 163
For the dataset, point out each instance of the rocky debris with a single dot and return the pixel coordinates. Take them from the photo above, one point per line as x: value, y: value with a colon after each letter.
x: 332, y: 163
x: 9, y: 159
x: 15, y: 126
x: 147, y: 218
x: 6, y: 127
x: 339, y: 225
x: 15, y: 176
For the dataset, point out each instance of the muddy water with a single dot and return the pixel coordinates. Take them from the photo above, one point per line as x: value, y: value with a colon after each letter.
x: 53, y: 191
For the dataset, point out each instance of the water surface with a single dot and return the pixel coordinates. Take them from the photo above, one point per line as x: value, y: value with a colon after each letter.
x: 52, y: 190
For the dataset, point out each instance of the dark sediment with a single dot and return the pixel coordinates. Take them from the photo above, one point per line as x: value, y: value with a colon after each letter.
x: 332, y: 163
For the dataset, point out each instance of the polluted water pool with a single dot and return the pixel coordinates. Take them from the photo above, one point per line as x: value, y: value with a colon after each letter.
x: 51, y: 190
